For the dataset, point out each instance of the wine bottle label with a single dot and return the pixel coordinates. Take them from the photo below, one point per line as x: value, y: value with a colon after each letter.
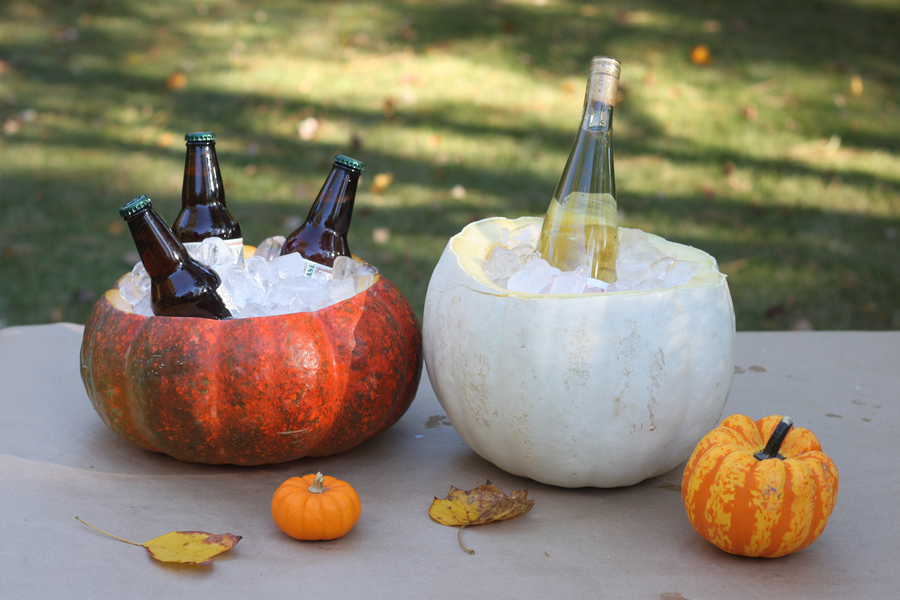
x: 314, y: 270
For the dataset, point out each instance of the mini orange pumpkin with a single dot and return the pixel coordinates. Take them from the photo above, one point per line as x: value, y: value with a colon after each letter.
x: 754, y: 498
x: 315, y: 507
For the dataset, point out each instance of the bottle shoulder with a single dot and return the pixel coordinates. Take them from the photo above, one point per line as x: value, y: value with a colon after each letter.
x: 196, y: 223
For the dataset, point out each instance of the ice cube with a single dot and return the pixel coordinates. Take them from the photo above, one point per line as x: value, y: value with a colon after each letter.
x: 571, y: 282
x: 144, y: 307
x: 680, y: 273
x: 339, y: 290
x: 259, y: 270
x: 527, y: 235
x: 213, y: 251
x: 634, y: 266
x: 129, y: 291
x: 270, y: 248
x: 243, y: 288
x: 280, y: 309
x: 284, y: 292
x: 501, y: 263
x: 311, y: 296
x: 366, y: 277
x: 659, y: 268
x: 252, y: 309
x: 532, y: 278
x: 345, y: 267
x: 289, y: 265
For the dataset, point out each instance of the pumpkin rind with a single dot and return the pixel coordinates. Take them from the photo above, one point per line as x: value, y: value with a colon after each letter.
x: 305, y: 515
x: 752, y: 507
x: 599, y: 390
x: 254, y: 391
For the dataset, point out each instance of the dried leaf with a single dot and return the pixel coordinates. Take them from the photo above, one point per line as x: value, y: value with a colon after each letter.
x: 484, y: 504
x: 700, y: 54
x: 186, y: 547
x: 191, y: 547
x: 381, y: 182
x: 177, y: 80
x: 856, y: 85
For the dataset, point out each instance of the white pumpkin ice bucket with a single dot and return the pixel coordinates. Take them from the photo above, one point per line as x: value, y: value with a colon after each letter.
x: 599, y: 390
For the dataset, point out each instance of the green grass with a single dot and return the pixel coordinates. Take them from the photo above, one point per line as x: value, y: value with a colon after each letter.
x: 770, y: 158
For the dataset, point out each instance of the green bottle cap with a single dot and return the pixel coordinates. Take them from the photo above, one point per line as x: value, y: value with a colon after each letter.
x: 200, y: 136
x: 134, y: 206
x: 346, y: 161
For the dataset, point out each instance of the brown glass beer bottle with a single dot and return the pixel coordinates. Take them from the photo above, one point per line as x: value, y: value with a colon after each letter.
x: 179, y: 285
x: 203, y: 210
x: 323, y: 237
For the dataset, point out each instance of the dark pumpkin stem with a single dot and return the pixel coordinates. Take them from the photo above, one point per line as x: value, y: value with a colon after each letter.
x: 777, y: 439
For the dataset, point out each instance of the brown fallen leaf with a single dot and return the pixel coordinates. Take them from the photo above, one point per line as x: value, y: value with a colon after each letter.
x: 177, y: 80
x: 187, y: 547
x: 484, y: 504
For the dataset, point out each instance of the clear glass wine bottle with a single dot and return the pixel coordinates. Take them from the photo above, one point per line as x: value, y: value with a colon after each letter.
x: 582, y: 226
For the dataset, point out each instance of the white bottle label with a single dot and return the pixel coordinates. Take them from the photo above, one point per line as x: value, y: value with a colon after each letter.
x: 227, y: 300
x: 314, y: 270
x: 236, y: 246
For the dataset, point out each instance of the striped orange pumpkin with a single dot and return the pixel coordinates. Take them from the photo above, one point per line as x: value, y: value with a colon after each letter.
x: 759, y: 488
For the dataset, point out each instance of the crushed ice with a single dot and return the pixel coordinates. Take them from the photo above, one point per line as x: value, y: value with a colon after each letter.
x: 267, y: 284
x: 516, y: 266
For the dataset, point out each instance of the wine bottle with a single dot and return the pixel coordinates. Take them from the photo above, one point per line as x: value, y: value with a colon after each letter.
x: 582, y: 226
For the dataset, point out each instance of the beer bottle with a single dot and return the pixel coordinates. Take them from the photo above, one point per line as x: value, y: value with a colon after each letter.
x: 582, y: 224
x: 203, y: 210
x: 179, y: 285
x: 323, y: 237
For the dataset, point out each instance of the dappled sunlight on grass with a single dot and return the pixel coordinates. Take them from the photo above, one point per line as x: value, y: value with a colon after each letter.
x: 778, y: 153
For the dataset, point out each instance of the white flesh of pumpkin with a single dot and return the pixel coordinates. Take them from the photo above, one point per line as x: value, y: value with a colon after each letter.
x: 600, y: 390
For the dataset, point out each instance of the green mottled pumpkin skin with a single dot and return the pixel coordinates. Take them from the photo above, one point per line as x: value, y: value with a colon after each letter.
x: 255, y: 391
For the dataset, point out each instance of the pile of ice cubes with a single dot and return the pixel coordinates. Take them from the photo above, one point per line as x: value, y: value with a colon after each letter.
x: 515, y: 265
x: 266, y: 284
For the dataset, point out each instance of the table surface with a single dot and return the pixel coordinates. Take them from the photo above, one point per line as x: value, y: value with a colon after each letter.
x: 59, y: 461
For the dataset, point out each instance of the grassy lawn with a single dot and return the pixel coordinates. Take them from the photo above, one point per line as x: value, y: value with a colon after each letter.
x: 780, y: 157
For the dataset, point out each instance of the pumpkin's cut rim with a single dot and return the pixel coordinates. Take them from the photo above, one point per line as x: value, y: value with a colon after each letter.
x: 473, y: 243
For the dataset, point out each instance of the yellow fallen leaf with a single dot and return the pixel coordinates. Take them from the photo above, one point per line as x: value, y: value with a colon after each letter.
x: 187, y: 547
x: 856, y: 85
x: 484, y: 504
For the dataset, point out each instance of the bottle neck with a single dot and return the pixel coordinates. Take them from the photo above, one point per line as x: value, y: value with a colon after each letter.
x: 202, y: 179
x: 333, y: 207
x: 160, y: 251
x: 599, y: 100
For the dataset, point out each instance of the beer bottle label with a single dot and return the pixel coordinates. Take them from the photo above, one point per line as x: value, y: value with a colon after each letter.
x: 227, y: 300
x: 314, y: 270
x: 236, y: 246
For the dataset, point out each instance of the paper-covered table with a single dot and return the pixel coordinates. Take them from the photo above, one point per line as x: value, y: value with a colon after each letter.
x: 59, y: 461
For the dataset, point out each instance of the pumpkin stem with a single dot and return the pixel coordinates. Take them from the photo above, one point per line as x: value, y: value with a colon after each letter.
x: 777, y: 439
x: 318, y: 485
